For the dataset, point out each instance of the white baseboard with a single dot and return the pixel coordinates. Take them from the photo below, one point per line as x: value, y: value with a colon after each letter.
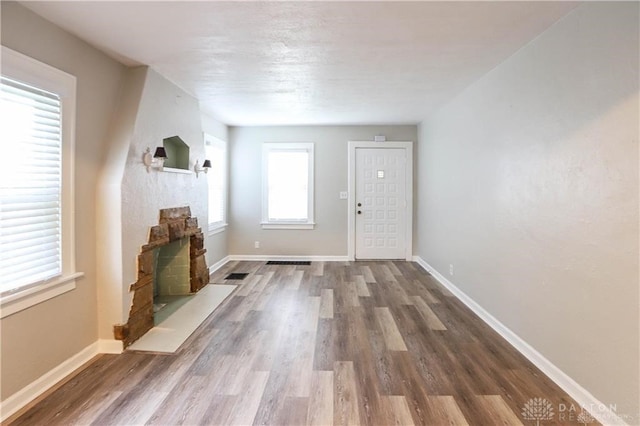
x: 110, y: 346
x: 36, y: 388
x: 260, y: 258
x: 219, y: 264
x: 584, y: 398
x: 45, y: 382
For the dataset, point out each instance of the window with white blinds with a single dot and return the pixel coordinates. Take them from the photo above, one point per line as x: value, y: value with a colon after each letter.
x: 216, y: 152
x: 287, y: 186
x: 37, y: 122
x: 30, y: 189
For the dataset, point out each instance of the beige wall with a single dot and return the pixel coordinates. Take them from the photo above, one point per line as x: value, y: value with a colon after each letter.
x: 528, y: 185
x: 39, y: 338
x: 113, y: 298
x: 329, y: 238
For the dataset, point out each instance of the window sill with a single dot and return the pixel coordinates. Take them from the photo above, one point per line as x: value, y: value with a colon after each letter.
x: 217, y: 228
x: 10, y: 303
x: 288, y: 225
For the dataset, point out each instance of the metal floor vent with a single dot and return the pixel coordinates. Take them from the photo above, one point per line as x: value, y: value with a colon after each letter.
x: 289, y: 262
x: 236, y: 276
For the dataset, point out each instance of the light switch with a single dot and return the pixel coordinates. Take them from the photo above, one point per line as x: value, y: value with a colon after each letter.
x: 343, y: 195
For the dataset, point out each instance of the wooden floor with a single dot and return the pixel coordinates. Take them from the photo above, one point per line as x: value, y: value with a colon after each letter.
x: 377, y: 343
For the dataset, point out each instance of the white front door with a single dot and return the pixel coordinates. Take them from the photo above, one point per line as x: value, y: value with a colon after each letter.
x: 380, y: 203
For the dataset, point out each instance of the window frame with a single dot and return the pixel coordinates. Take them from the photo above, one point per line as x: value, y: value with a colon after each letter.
x: 23, y: 68
x: 308, y: 223
x: 221, y: 225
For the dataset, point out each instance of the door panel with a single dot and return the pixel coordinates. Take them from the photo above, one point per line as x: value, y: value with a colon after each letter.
x: 380, y: 203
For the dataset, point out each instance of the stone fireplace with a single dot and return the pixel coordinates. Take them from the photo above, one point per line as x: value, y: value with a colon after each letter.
x: 162, y: 260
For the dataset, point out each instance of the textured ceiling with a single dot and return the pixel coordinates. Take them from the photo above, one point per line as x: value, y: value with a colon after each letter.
x: 262, y: 63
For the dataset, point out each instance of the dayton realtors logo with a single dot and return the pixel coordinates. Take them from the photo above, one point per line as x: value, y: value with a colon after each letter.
x: 541, y: 410
x: 537, y: 409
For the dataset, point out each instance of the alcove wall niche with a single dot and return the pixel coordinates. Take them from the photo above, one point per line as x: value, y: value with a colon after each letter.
x: 174, y: 225
x: 177, y: 153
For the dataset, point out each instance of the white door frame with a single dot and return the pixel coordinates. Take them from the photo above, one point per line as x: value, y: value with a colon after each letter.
x: 351, y: 209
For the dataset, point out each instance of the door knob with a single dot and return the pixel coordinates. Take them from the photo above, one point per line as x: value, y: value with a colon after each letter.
x: 359, y: 204
x: 359, y: 212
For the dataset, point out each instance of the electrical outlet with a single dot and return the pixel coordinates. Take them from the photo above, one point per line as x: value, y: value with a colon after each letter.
x: 344, y: 195
x: 256, y: 244
x: 451, y: 269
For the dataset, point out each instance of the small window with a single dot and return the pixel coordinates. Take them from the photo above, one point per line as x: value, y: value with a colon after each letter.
x: 287, y: 179
x: 216, y: 152
x: 37, y: 115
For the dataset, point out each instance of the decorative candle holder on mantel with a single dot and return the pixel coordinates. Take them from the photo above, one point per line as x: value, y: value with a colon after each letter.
x: 206, y: 165
x: 156, y: 161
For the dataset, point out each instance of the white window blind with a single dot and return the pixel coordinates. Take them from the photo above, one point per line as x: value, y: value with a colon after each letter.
x: 30, y: 185
x: 216, y: 151
x: 288, y: 185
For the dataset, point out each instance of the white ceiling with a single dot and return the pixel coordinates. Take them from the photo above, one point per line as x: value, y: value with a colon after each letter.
x: 267, y: 63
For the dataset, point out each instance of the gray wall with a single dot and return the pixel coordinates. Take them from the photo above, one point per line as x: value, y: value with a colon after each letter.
x: 329, y: 238
x: 39, y: 338
x: 164, y: 110
x: 528, y: 185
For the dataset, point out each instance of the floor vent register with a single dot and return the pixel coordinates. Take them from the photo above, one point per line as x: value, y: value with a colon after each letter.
x: 236, y: 276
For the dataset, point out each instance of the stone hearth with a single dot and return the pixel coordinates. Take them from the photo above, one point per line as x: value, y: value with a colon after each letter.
x: 174, y: 225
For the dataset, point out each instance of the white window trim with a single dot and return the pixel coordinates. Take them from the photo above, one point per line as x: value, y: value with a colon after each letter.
x: 217, y: 228
x: 288, y: 224
x: 23, y: 68
x: 220, y: 226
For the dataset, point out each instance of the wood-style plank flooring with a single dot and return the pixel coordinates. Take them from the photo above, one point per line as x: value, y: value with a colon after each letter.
x: 377, y: 343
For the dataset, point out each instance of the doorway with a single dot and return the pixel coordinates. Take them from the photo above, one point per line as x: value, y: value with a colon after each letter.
x: 380, y: 200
